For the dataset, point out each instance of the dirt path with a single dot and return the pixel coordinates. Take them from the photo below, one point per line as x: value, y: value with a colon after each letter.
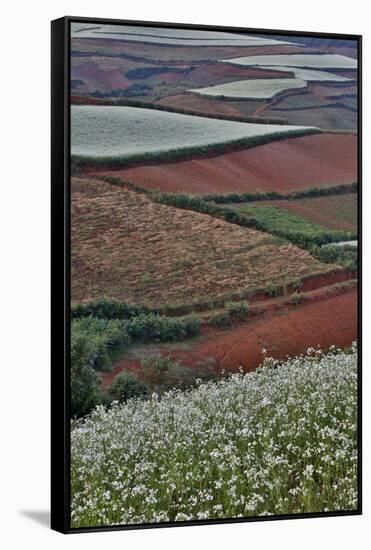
x: 323, y: 323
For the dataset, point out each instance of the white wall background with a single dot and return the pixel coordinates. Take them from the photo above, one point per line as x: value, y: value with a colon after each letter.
x: 24, y: 219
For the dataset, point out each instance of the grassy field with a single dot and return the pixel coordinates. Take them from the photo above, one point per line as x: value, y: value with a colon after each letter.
x: 309, y: 216
x: 281, y: 440
x: 125, y: 246
x: 335, y: 212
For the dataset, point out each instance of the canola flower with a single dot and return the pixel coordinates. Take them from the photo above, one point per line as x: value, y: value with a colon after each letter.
x: 280, y: 440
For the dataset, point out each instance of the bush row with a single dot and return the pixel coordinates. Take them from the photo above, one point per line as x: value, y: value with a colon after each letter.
x: 275, y: 195
x: 107, y: 308
x: 347, y: 256
x: 96, y: 342
x: 232, y: 215
x: 107, y: 337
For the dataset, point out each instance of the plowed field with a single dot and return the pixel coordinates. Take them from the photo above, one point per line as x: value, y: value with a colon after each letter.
x: 124, y: 246
x: 285, y: 165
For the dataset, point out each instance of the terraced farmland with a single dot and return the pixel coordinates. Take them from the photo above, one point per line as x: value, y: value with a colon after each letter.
x: 335, y: 212
x: 213, y: 175
x: 286, y: 165
x: 131, y: 134
x: 310, y: 75
x: 251, y: 89
x: 124, y: 246
x: 325, y: 61
x: 174, y: 37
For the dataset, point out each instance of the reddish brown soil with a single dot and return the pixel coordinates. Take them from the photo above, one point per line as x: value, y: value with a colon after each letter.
x: 332, y: 321
x: 95, y: 76
x: 205, y: 105
x: 324, y: 92
x: 285, y: 165
x: 224, y: 70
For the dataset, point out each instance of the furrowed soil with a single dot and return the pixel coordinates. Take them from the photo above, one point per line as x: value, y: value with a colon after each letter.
x: 321, y: 160
x: 332, y: 321
x: 125, y: 246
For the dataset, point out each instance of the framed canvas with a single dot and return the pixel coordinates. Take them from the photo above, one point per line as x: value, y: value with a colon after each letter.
x: 206, y: 293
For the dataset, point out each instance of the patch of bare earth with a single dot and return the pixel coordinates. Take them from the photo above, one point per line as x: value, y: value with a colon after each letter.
x: 321, y: 160
x: 124, y: 246
x: 332, y: 321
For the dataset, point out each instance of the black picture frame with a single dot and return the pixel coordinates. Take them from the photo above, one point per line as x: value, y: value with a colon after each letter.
x: 60, y: 271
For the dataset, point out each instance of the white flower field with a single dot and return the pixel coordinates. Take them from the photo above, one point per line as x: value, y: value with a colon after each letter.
x: 251, y: 89
x: 125, y: 132
x: 280, y: 440
x: 311, y: 75
x: 176, y: 37
x: 325, y: 61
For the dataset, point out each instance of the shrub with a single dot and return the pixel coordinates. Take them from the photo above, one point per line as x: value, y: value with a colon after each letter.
x: 84, y: 380
x: 272, y: 290
x: 156, y: 367
x: 237, y: 310
x: 155, y: 328
x: 347, y: 256
x: 296, y: 298
x: 222, y: 320
x: 163, y: 373
x: 126, y: 386
x: 105, y: 337
x: 296, y: 283
x: 107, y: 308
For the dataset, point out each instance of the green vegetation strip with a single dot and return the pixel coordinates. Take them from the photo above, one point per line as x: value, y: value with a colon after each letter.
x: 304, y: 234
x: 280, y: 440
x: 275, y: 195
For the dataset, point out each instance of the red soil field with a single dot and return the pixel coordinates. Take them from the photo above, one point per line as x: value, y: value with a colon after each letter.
x: 95, y: 75
x: 224, y: 70
x: 289, y: 333
x: 322, y: 91
x: 291, y: 164
x: 207, y: 105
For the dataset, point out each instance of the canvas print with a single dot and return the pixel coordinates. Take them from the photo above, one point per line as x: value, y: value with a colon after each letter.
x: 214, y: 232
